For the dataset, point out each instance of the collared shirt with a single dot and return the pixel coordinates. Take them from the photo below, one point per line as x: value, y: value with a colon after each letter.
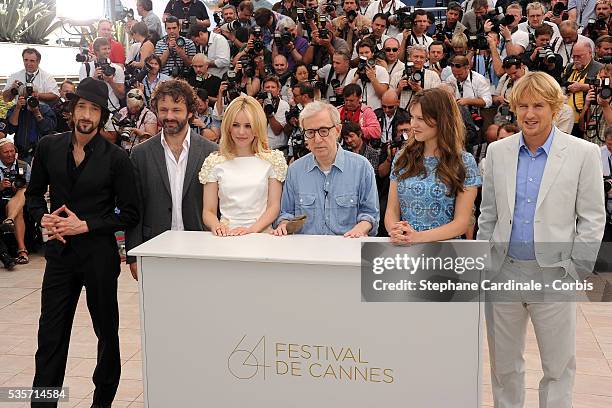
x: 524, y: 26
x: 369, y: 97
x: 218, y: 51
x: 565, y: 50
x: 431, y: 80
x: 334, y: 202
x: 173, y: 59
x: 529, y: 172
x: 372, y: 154
x: 585, y: 9
x: 29, y: 130
x: 176, y: 176
x: 42, y: 81
x: 119, y: 78
x: 74, y: 170
x: 474, y: 86
x: 387, y: 128
x: 4, y: 167
x: 153, y: 23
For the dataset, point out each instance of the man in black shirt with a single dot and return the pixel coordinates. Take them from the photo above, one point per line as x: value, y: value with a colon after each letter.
x: 91, y: 183
x: 200, y: 78
x: 184, y: 9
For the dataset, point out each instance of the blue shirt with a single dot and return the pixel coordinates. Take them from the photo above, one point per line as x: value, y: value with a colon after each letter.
x: 529, y: 172
x: 4, y: 168
x: 480, y: 66
x: 424, y: 202
x: 335, y: 202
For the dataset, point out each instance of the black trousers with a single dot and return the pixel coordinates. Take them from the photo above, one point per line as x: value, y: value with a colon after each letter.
x: 63, y: 281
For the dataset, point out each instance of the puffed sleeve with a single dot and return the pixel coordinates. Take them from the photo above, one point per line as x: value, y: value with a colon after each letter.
x: 472, y: 175
x: 278, y: 162
x: 209, y: 172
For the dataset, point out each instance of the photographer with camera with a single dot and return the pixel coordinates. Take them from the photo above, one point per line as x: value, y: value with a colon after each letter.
x: 599, y: 24
x: 445, y: 31
x: 374, y: 79
x: 437, y: 59
x: 569, y: 38
x: 268, y: 21
x: 348, y: 22
x: 603, y: 49
x: 581, y: 11
x: 102, y: 69
x: 354, y: 111
x: 14, y: 178
x: 596, y: 114
x: 333, y: 76
x: 288, y: 43
x: 514, y: 69
x: 388, y: 8
x: 574, y: 79
x: 535, y: 18
x: 474, y: 18
x: 275, y: 109
x: 557, y: 12
x: 30, y: 120
x: 323, y: 44
x: 214, y: 46
x: 281, y: 71
x: 352, y: 138
x: 116, y: 54
x: 61, y: 109
x: 416, y: 34
x: 540, y: 55
x: 153, y: 77
x: 187, y: 10
x: 303, y: 94
x: 391, y: 62
x: 136, y: 123
x: 389, y: 115
x: 204, y: 121
x: 144, y: 8
x: 472, y: 89
x: 143, y: 47
x: 414, y: 77
x: 376, y: 37
x: 252, y: 52
x: 200, y: 78
x: 288, y: 8
x: 43, y: 84
x: 174, y: 50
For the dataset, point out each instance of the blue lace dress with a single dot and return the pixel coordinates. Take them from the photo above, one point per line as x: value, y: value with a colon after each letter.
x: 423, y: 200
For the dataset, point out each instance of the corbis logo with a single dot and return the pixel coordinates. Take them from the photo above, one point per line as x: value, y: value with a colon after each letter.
x: 251, y: 360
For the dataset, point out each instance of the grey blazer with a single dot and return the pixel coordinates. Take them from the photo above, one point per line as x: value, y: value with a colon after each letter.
x: 154, y: 194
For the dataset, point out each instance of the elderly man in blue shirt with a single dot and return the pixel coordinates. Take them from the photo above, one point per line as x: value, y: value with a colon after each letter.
x: 335, y: 189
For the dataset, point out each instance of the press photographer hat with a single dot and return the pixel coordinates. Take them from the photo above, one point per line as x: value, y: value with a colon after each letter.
x: 93, y: 90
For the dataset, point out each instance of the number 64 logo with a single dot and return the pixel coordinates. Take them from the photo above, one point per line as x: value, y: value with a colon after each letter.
x: 244, y: 363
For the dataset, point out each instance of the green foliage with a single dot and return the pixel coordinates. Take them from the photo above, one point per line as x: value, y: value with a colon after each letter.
x: 27, y: 21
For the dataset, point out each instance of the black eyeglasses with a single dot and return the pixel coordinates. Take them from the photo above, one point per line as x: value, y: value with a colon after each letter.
x: 457, y: 65
x: 322, y: 131
x: 388, y: 106
x: 134, y: 96
x: 389, y: 49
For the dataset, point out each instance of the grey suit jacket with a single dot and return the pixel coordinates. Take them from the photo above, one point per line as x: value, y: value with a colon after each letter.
x: 570, y: 214
x: 154, y: 194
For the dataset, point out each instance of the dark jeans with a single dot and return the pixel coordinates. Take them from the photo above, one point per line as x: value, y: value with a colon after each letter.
x: 62, y: 283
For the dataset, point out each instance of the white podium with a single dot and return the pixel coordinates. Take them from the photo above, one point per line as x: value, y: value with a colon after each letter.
x: 264, y: 321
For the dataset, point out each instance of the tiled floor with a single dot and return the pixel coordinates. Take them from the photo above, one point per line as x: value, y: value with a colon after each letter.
x: 20, y: 307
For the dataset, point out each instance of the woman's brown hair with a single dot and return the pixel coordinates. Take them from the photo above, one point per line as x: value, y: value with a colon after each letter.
x: 440, y: 110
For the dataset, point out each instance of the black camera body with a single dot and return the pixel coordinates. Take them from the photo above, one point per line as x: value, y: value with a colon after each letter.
x: 270, y: 103
x: 186, y: 25
x: 218, y: 17
x: 232, y: 91
x: 602, y: 86
x: 361, y: 67
x: 547, y: 55
x: 329, y: 7
x: 410, y: 74
x: 134, y: 76
x: 293, y: 112
x: 31, y: 100
x: 403, y: 18
x: 82, y: 56
x: 248, y: 66
x: 478, y: 42
x: 398, y: 140
x: 351, y: 15
x: 558, y: 9
x: 335, y: 99
x: 107, y: 68
x: 283, y: 39
x: 607, y: 182
x: 17, y: 179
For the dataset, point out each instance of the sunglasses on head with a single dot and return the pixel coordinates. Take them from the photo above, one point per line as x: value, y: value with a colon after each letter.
x: 457, y: 65
x: 134, y: 96
x: 389, y: 49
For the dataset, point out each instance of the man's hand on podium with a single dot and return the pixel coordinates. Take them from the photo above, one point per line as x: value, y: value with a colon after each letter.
x: 134, y: 270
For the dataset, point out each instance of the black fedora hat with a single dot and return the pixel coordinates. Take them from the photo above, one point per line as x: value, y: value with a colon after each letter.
x: 93, y: 90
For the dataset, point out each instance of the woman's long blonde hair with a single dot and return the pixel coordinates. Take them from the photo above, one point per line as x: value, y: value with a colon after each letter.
x: 257, y: 118
x: 440, y: 110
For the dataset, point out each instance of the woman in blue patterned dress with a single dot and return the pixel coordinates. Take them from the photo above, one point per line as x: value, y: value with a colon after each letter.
x: 433, y: 180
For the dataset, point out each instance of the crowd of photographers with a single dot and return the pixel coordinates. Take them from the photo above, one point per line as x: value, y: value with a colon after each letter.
x: 366, y: 58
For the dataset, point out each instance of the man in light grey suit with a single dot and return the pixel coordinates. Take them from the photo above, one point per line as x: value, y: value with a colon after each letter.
x: 166, y: 168
x: 543, y: 211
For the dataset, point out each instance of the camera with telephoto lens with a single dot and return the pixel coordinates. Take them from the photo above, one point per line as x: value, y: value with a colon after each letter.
x: 558, y: 9
x: 107, y: 68
x: 506, y: 114
x: 82, y: 56
x: 361, y: 68
x: 403, y: 18
x: 270, y: 103
x: 31, y: 100
x: 316, y: 83
x: 442, y: 32
x: 232, y: 91
x: 258, y: 44
x: 329, y: 7
x: 186, y: 25
x: 218, y: 16
x: 15, y: 89
x: 17, y: 179
x: 410, y: 74
x: 298, y: 144
x: 283, y: 39
x: 547, y: 55
x: 478, y: 42
x: 323, y: 30
x: 602, y: 86
x: 133, y: 76
x: 504, y: 21
x: 232, y: 25
x: 351, y: 15
x: 123, y: 123
x: 599, y: 24
x: 293, y: 112
x: 335, y: 99
x: 248, y: 66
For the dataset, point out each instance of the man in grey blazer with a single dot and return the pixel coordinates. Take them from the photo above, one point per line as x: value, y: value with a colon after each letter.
x: 166, y: 168
x: 543, y: 211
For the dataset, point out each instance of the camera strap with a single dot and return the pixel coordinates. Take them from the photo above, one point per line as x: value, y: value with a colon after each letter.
x: 88, y: 69
x: 31, y: 77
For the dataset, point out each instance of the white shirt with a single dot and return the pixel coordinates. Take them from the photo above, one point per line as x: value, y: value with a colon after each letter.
x: 519, y: 37
x: 565, y: 50
x: 176, y: 176
x: 323, y: 73
x: 377, y: 7
x: 387, y: 128
x: 379, y: 45
x: 475, y: 86
x: 219, y: 52
x: 43, y: 82
x: 278, y: 141
x: 119, y: 78
x: 397, y: 66
x: 432, y: 80
x: 423, y: 39
x: 369, y: 96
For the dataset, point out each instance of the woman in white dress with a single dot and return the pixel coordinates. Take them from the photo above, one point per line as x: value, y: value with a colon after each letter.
x: 244, y: 179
